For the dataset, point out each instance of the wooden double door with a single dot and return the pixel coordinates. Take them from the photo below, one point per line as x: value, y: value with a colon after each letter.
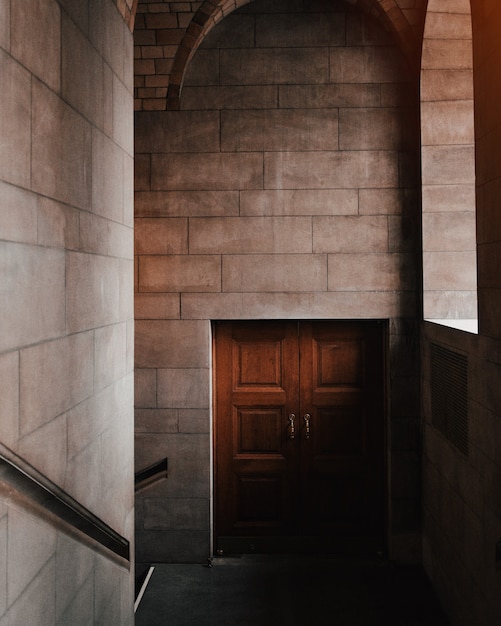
x: 299, y: 435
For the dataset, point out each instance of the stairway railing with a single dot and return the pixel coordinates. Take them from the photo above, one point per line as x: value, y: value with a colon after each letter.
x: 24, y: 478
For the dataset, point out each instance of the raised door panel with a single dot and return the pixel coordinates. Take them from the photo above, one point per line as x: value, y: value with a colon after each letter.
x: 256, y: 467
x: 342, y: 459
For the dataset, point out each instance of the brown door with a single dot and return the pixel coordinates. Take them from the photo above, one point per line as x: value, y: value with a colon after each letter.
x: 299, y: 436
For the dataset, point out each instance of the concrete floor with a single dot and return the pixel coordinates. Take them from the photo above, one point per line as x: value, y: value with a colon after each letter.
x: 276, y: 590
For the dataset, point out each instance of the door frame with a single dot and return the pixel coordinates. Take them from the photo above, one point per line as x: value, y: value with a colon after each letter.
x: 384, y: 322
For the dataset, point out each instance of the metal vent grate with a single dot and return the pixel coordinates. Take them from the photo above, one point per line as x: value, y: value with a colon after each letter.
x: 449, y: 395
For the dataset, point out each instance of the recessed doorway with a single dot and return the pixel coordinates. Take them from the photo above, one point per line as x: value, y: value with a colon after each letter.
x: 299, y: 436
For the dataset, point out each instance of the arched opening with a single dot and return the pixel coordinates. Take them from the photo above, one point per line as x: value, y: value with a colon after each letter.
x: 448, y: 167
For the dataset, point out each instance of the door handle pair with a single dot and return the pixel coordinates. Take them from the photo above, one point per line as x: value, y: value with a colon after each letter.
x: 292, y: 427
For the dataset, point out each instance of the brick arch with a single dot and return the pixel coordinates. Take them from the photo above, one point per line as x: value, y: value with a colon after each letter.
x: 211, y: 12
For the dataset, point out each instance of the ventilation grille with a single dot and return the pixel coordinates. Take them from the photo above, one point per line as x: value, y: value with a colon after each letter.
x: 449, y: 395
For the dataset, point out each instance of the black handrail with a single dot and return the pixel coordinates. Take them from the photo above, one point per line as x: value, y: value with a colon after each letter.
x: 25, y: 478
x: 150, y: 475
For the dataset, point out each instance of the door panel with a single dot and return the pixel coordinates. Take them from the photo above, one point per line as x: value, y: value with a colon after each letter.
x: 255, y: 463
x: 318, y: 473
x: 341, y: 374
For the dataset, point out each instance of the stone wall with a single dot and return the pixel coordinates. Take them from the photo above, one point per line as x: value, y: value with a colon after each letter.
x: 66, y: 267
x: 462, y: 508
x: 285, y: 187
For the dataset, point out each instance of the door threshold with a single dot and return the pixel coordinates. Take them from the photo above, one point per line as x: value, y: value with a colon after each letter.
x: 352, y: 546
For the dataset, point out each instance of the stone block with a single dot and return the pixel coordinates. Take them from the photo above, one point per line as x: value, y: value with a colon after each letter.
x: 80, y: 606
x: 107, y: 591
x: 34, y: 446
x: 455, y: 305
x: 9, y: 392
x: 304, y: 305
x: 92, y: 291
x: 36, y: 605
x: 449, y: 231
x: 107, y: 177
x: 35, y: 28
x: 161, y: 236
x: 128, y: 191
x: 83, y: 479
x: 58, y: 225
x: 213, y: 172
x: 403, y: 233
x: 109, y: 354
x: 18, y: 219
x: 60, y: 372
x: 445, y: 84
x: 279, y: 129
x: 186, y: 203
x: 453, y: 165
x: 299, y: 202
x: 371, y: 272
x: 449, y: 271
x: 156, y: 306
x: 126, y: 290
x: 15, y: 122
x: 184, y: 388
x: 447, y: 54
x: 334, y: 170
x: 172, y: 343
x: 274, y: 273
x: 229, y: 97
x: 5, y: 34
x: 3, y: 558
x: 370, y: 129
x: 448, y: 25
x: 165, y: 131
x: 142, y: 173
x: 123, y: 104
x: 329, y: 96
x: 300, y: 30
x: 235, y: 31
x: 31, y: 275
x: 366, y: 64
x: 82, y: 74
x: 32, y: 544
x: 145, y: 388
x: 455, y: 198
x: 107, y: 34
x: 87, y: 420
x: 78, y: 12
x: 447, y: 123
x: 350, y: 234
x: 169, y: 546
x: 61, y: 150
x: 194, y: 421
x: 94, y: 234
x: 364, y: 32
x: 156, y: 420
x: 252, y: 235
x: 382, y: 201
x: 121, y: 242
x: 186, y: 513
x: 179, y: 273
x: 204, y: 70
x: 274, y: 66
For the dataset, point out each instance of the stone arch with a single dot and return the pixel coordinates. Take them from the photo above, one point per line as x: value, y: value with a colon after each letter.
x: 448, y: 166
x: 211, y: 12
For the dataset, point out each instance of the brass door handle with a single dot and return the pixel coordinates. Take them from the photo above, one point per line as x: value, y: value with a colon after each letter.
x: 292, y: 429
x: 307, y: 418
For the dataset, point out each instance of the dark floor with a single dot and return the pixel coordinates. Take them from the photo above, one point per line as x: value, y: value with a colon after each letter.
x: 285, y: 590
